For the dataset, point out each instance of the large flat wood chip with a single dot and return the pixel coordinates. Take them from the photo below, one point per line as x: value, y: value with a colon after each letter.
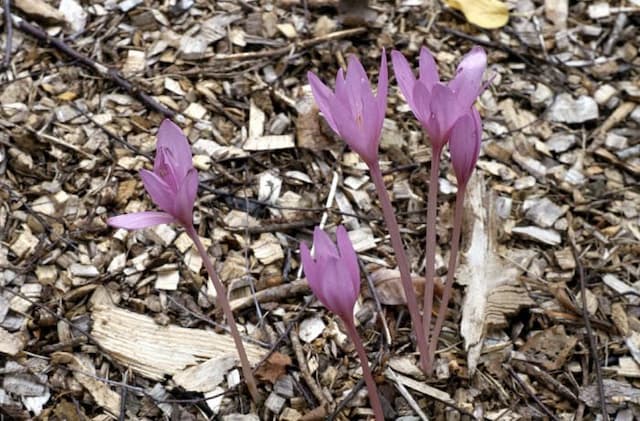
x: 155, y: 351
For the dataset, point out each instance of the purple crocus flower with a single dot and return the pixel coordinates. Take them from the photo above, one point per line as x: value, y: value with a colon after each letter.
x: 353, y: 111
x: 333, y: 275
x: 172, y: 185
x: 438, y: 106
x: 464, y: 145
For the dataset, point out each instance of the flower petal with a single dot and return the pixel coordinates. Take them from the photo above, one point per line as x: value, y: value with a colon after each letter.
x: 467, y: 84
x: 323, y: 97
x: 349, y: 260
x: 132, y: 221
x: 186, y: 197
x: 161, y: 194
x: 357, y: 84
x: 323, y: 245
x: 464, y: 145
x: 445, y: 111
x: 421, y: 103
x: 428, y: 69
x: 170, y: 136
x: 382, y: 91
x: 404, y: 76
x: 165, y: 168
x: 337, y: 289
x: 312, y: 272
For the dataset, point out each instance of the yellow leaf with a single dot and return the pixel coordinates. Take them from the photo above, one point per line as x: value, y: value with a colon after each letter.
x: 488, y: 14
x: 67, y: 96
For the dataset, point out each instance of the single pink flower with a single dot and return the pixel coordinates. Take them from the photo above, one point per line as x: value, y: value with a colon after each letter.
x: 436, y: 105
x: 464, y: 145
x: 353, y: 111
x: 172, y: 185
x: 333, y: 275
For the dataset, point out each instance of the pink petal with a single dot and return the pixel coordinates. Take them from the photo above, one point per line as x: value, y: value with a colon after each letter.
x: 349, y: 260
x: 312, y: 272
x: 428, y: 69
x: 467, y: 84
x: 404, y: 76
x: 421, y: 103
x: 383, y: 85
x: 161, y: 194
x: 446, y: 110
x: 186, y: 197
x: 337, y: 289
x: 323, y: 245
x: 165, y: 168
x: 464, y: 145
x: 357, y: 84
x: 132, y: 221
x: 323, y: 97
x: 170, y: 136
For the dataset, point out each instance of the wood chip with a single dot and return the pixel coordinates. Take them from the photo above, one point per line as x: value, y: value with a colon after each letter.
x: 155, y: 351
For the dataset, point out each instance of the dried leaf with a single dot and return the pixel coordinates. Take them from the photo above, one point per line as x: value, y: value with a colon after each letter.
x: 489, y: 14
x: 274, y: 367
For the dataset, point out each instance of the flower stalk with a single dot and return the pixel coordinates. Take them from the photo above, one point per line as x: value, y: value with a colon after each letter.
x: 430, y: 250
x: 402, y: 260
x: 374, y: 399
x: 448, y: 288
x: 223, y: 302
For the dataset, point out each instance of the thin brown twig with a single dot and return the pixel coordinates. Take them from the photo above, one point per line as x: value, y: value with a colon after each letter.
x: 8, y: 26
x: 593, y: 350
x: 109, y: 73
x: 304, y: 369
x: 289, y: 48
x: 529, y: 392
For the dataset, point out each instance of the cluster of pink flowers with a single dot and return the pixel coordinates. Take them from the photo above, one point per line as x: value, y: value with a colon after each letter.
x: 448, y: 116
x: 356, y: 114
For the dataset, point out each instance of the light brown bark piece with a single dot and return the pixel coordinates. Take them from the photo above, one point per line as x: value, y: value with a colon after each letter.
x: 154, y: 351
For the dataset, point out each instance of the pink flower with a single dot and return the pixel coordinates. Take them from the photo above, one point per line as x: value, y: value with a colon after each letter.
x: 172, y: 185
x: 438, y: 106
x: 353, y: 112
x: 334, y: 275
x: 464, y: 145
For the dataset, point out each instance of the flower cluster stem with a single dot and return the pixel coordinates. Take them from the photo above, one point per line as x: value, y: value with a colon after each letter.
x: 453, y: 257
x: 226, y: 309
x: 374, y: 399
x: 403, y: 262
x: 430, y: 250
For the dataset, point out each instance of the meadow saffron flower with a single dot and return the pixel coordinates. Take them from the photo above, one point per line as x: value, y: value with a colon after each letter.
x: 357, y: 116
x: 353, y: 111
x: 334, y: 277
x: 441, y: 108
x: 436, y: 105
x: 464, y: 146
x: 172, y: 185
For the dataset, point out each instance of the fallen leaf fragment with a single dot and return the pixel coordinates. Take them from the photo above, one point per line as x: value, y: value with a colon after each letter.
x: 488, y: 14
x: 40, y: 10
x: 274, y: 367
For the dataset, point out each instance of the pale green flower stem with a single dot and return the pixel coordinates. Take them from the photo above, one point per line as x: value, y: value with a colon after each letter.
x: 403, y: 262
x: 374, y: 398
x: 226, y: 309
